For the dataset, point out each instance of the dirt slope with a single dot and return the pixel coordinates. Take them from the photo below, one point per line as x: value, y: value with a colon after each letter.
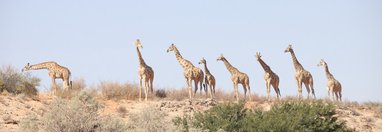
x: 15, y: 108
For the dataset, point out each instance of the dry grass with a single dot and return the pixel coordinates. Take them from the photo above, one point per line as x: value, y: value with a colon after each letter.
x: 150, y: 119
x: 177, y: 94
x: 118, y: 91
x: 77, y: 86
x: 122, y: 111
x: 376, y: 107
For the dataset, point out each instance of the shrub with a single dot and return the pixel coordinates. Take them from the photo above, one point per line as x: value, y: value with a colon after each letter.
x: 285, y: 116
x: 15, y: 82
x: 115, y: 90
x: 151, y: 119
x: 178, y: 94
x: 297, y: 116
x: 228, y: 117
x: 161, y: 93
x: 81, y: 113
x: 77, y: 86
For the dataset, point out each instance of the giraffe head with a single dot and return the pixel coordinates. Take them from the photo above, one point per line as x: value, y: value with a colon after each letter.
x: 322, y: 63
x: 258, y: 56
x: 288, y: 49
x: 220, y: 58
x: 26, y: 68
x: 171, y: 48
x: 202, y: 61
x: 138, y: 44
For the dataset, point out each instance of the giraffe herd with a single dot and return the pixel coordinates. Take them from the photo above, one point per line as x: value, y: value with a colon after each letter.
x: 194, y: 74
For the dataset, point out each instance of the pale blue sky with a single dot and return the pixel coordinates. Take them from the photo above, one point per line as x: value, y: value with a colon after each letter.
x: 95, y: 40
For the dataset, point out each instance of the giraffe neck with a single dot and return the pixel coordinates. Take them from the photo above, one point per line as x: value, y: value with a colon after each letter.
x: 206, y: 69
x: 141, y: 61
x: 230, y: 68
x: 297, y: 65
x: 265, y: 66
x: 328, y: 74
x: 180, y: 59
x: 44, y: 65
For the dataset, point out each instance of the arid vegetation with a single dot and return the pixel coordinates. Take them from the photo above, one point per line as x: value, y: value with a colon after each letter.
x: 114, y: 106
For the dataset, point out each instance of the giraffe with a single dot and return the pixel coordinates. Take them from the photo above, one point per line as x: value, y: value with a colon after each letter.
x: 301, y: 75
x: 270, y: 77
x: 237, y: 78
x: 145, y: 73
x: 209, y: 79
x: 191, y: 73
x: 333, y: 85
x: 55, y: 71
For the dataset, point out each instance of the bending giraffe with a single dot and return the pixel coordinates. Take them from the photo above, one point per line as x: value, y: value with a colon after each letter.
x: 209, y: 79
x: 237, y: 78
x: 55, y: 71
x: 333, y: 85
x: 270, y: 77
x: 145, y: 73
x: 191, y: 73
x: 301, y: 75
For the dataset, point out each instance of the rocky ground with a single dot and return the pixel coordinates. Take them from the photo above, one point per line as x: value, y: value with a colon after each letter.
x: 14, y: 108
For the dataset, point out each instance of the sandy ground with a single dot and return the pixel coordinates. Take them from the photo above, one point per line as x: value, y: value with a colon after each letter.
x: 15, y: 108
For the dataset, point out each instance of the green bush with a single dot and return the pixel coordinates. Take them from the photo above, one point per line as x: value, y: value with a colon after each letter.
x: 297, y: 116
x: 15, y: 82
x: 285, y: 116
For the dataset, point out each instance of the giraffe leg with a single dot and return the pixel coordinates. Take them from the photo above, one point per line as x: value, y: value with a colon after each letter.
x: 329, y: 92
x: 140, y: 88
x: 249, y: 92
x: 307, y: 89
x: 214, y: 88
x: 151, y: 84
x: 268, y: 85
x: 54, y: 87
x: 196, y: 88
x: 340, y: 95
x: 211, y: 91
x: 275, y: 86
x: 312, y: 89
x: 201, y: 86
x: 146, y: 88
x: 189, y: 83
x: 205, y: 88
x: 236, y: 92
x: 245, y: 90
x: 299, y: 89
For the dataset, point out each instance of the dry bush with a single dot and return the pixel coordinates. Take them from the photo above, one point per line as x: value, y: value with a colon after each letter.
x: 77, y: 86
x: 151, y: 119
x: 15, y: 82
x: 161, y: 93
x: 122, y: 110
x: 376, y: 107
x: 117, y: 91
x: 177, y: 94
x: 223, y: 95
x: 81, y: 113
